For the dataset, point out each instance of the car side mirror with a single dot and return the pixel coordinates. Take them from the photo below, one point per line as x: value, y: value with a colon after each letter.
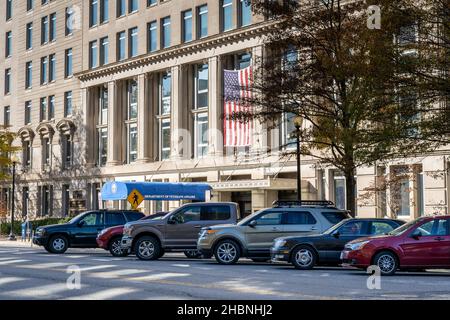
x: 252, y: 223
x: 81, y: 223
x: 416, y: 235
x: 336, y: 234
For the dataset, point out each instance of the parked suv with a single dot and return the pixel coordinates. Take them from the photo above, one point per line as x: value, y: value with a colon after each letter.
x: 253, y: 236
x: 82, y: 230
x: 178, y: 230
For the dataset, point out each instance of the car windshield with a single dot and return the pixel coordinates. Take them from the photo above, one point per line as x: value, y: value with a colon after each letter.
x: 248, y: 218
x: 76, y: 218
x: 335, y: 227
x: 403, y: 228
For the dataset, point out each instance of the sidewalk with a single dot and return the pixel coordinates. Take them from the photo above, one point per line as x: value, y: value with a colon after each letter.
x: 4, y: 242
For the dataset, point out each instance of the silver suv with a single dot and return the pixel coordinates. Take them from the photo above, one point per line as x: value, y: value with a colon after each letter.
x: 252, y: 237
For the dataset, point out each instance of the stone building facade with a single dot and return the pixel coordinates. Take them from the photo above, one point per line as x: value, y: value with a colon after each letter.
x: 146, y: 104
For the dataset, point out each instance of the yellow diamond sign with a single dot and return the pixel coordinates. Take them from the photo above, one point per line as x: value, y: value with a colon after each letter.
x: 135, y: 198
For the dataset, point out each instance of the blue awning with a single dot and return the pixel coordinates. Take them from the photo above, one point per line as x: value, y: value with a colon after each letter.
x: 156, y: 190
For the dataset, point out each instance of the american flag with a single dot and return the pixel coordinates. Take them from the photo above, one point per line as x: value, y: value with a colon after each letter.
x: 237, y: 91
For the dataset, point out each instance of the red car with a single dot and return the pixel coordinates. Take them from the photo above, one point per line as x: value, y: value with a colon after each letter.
x: 109, y: 238
x: 420, y: 244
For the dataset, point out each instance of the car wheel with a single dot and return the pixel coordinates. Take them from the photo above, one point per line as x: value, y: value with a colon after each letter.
x: 116, y: 249
x: 161, y: 253
x: 227, y: 252
x: 260, y: 260
x: 304, y: 258
x: 47, y: 248
x: 387, y: 262
x: 193, y: 254
x: 148, y: 248
x: 58, y: 244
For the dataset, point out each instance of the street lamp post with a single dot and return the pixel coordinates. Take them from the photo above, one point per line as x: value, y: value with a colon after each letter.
x: 14, y: 161
x: 298, y: 121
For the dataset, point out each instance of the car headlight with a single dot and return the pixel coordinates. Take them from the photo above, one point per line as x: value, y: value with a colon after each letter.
x: 40, y: 231
x: 280, y: 243
x: 207, y: 232
x: 356, y: 245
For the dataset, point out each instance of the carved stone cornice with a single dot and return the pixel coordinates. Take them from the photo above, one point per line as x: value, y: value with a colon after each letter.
x: 66, y: 126
x: 234, y: 36
x: 26, y: 133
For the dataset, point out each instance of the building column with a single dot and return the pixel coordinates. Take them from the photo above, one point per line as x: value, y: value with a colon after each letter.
x: 215, y: 133
x: 88, y: 105
x: 144, y: 123
x: 260, y: 136
x: 177, y: 114
x: 114, y: 112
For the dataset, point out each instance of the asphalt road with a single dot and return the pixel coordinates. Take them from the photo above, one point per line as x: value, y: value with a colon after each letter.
x: 32, y: 273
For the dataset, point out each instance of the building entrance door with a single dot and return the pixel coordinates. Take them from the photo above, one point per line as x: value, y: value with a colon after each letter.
x: 244, y: 200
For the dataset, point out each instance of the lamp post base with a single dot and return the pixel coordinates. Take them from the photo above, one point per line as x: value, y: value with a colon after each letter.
x: 12, y: 237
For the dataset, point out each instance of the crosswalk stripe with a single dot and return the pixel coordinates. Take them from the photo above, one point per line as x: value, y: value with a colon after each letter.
x: 160, y: 276
x: 8, y: 280
x: 104, y: 294
x: 13, y: 261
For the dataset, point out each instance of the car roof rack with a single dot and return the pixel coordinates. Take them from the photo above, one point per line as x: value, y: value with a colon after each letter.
x: 303, y: 203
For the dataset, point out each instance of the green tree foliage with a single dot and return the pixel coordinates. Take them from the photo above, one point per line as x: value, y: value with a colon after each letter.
x: 367, y: 94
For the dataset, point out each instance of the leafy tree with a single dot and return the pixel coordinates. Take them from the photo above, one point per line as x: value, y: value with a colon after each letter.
x: 366, y: 94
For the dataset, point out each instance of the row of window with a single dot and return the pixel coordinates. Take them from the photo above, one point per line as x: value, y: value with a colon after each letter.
x: 100, y: 57
x: 47, y: 69
x: 46, y: 109
x: 66, y: 144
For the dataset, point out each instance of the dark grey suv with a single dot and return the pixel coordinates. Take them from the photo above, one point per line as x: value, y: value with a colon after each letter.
x: 178, y: 230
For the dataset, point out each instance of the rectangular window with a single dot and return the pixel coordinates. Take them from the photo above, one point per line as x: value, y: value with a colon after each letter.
x: 30, y: 5
x: 404, y: 207
x: 202, y: 21
x: 8, y: 44
x: 244, y: 60
x: 51, y: 107
x: 46, y: 153
x: 152, y: 36
x: 165, y: 36
x: 245, y: 12
x: 201, y: 86
x: 165, y: 94
x: 201, y: 134
x: 120, y: 5
x: 8, y: 81
x: 121, y: 38
x: 27, y: 113
x: 68, y: 103
x: 288, y: 138
x: 103, y: 110
x: 93, y: 54
x: 43, y: 109
x: 151, y: 2
x: 65, y: 199
x: 93, y: 12
x: 28, y: 74
x: 133, y: 5
x: 52, y: 68
x: 104, y: 11
x: 104, y: 46
x: 132, y: 100
x: 227, y: 15
x: 68, y: 63
x: 44, y: 2
x: 67, y: 148
x: 132, y: 142
x: 52, y: 27
x: 29, y: 36
x: 27, y: 154
x: 70, y: 19
x: 44, y: 30
x: 187, y: 25
x: 44, y: 68
x: 102, y: 146
x: 8, y: 9
x: 25, y: 201
x: 133, y: 42
x: 7, y: 116
x: 165, y: 139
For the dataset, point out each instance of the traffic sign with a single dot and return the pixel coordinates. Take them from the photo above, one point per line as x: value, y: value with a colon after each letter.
x: 135, y: 198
